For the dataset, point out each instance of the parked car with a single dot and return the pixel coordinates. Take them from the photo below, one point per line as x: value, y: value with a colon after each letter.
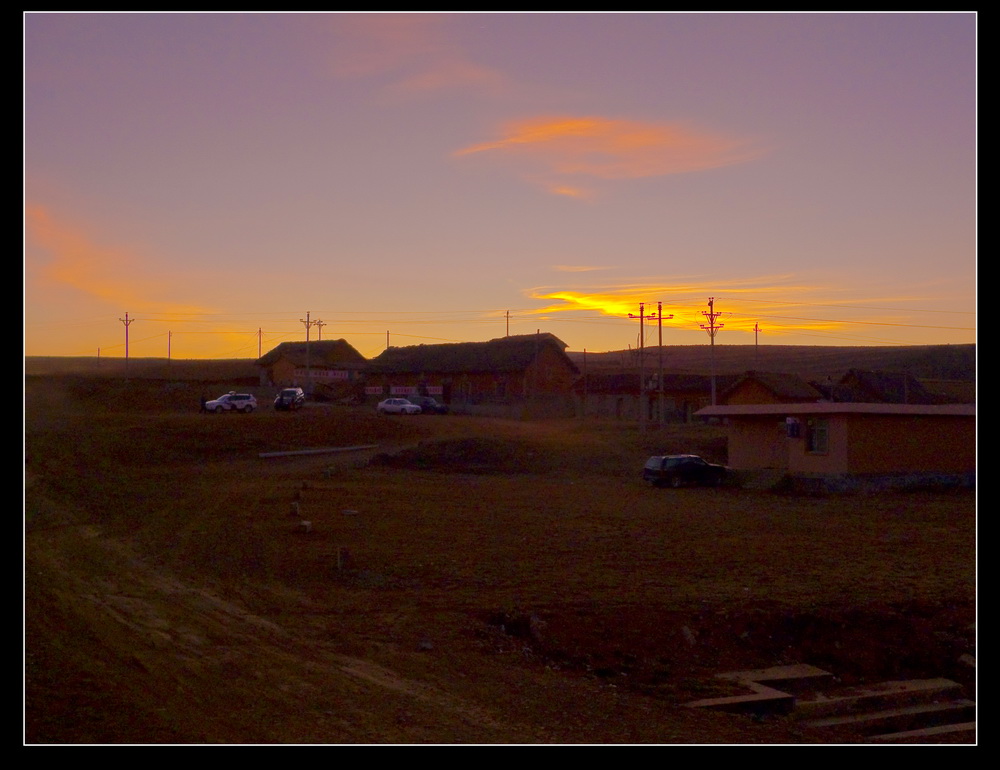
x: 232, y: 402
x: 397, y: 406
x: 428, y: 405
x: 682, y: 470
x: 290, y: 399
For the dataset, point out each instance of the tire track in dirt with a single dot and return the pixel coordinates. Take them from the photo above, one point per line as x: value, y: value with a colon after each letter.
x: 207, y: 658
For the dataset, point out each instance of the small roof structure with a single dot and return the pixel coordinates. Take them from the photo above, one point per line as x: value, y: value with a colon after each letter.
x: 785, y: 388
x: 320, y: 352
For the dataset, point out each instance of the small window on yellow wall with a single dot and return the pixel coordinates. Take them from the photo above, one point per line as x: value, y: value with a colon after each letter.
x: 817, y: 436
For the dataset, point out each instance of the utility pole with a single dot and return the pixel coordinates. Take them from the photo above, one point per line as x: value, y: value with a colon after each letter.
x: 308, y: 324
x: 507, y: 315
x: 756, y: 331
x: 128, y: 322
x: 319, y: 329
x: 643, y: 406
x: 533, y: 400
x: 260, y: 334
x: 660, y: 317
x: 170, y: 337
x: 712, y: 328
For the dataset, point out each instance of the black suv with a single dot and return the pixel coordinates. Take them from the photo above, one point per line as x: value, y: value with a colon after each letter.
x: 681, y: 470
x: 289, y: 399
x: 428, y: 405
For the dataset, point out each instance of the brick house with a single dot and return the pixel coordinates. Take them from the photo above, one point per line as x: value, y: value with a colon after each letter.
x: 846, y: 445
x: 516, y: 375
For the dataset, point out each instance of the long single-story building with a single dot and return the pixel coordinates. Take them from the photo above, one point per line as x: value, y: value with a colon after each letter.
x: 841, y: 444
x: 518, y: 375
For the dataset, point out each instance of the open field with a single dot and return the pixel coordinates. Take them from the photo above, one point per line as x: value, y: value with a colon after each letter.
x: 467, y: 581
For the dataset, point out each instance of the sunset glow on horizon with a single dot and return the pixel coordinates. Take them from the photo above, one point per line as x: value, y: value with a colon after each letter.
x: 408, y: 178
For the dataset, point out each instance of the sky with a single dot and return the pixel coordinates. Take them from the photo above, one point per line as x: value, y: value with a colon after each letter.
x: 208, y: 185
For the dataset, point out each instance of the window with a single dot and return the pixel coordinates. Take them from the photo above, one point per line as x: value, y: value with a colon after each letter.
x: 817, y: 436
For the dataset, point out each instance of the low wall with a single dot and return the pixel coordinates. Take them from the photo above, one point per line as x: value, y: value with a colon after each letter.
x: 516, y: 409
x: 875, y: 482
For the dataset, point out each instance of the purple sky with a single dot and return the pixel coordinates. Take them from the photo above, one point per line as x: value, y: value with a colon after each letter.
x: 447, y: 177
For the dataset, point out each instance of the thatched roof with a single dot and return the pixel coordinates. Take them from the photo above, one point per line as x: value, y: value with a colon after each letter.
x: 861, y: 386
x: 506, y: 354
x: 784, y: 387
x: 320, y: 353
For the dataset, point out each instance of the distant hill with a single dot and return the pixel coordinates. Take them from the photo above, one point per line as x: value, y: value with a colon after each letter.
x: 234, y: 370
x: 811, y: 362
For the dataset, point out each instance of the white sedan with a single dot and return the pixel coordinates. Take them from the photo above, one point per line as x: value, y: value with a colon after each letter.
x: 397, y: 406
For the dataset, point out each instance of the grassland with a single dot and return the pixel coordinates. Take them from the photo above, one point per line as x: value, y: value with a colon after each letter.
x: 468, y: 581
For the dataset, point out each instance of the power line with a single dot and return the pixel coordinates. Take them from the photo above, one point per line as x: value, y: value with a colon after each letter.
x: 849, y: 307
x: 867, y: 323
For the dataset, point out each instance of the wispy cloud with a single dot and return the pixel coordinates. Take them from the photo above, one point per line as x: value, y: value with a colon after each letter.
x: 78, y: 261
x: 569, y: 191
x: 578, y: 268
x: 412, y: 53
x: 559, y: 148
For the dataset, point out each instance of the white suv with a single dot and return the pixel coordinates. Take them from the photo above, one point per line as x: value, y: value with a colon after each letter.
x: 232, y: 402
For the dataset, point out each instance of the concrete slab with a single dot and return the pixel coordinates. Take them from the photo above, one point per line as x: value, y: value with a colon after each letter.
x: 794, y: 678
x: 883, y: 695
x: 959, y: 730
x: 916, y: 717
x: 760, y: 700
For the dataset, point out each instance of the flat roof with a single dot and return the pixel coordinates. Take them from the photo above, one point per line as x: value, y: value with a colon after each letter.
x: 830, y: 407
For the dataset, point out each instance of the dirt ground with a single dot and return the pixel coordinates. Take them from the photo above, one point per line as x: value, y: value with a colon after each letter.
x: 464, y: 581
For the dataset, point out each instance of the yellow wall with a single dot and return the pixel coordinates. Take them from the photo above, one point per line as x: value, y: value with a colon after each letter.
x: 858, y: 443
x: 757, y: 444
x: 912, y: 443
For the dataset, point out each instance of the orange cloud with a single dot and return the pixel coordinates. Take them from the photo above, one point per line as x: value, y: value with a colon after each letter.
x: 607, y: 148
x: 76, y: 261
x: 580, y: 193
x: 786, y: 305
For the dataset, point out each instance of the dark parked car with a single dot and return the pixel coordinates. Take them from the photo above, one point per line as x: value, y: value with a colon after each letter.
x: 428, y: 405
x: 682, y: 470
x: 289, y: 399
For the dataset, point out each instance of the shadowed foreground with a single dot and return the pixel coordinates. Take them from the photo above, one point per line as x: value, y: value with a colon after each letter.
x: 470, y: 581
